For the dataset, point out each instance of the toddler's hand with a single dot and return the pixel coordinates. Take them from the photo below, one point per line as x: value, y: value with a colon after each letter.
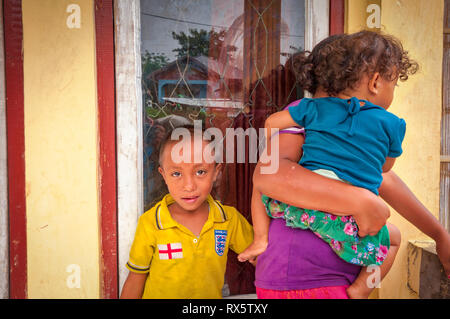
x: 253, y: 262
x: 253, y: 251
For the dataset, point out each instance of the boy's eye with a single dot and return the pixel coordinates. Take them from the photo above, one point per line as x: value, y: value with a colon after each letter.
x: 201, y: 172
x: 175, y: 174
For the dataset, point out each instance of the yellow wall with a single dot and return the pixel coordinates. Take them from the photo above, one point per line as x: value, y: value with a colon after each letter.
x: 418, y: 24
x: 60, y: 149
x: 355, y: 15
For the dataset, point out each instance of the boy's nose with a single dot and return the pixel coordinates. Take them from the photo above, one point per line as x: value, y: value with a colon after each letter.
x: 189, y: 184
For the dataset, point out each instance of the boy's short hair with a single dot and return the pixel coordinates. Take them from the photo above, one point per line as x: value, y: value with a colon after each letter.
x: 168, y: 136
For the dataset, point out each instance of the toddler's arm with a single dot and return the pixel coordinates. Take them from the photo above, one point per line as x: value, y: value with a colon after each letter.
x: 390, y: 161
x: 260, y: 219
x: 279, y: 120
x: 261, y: 223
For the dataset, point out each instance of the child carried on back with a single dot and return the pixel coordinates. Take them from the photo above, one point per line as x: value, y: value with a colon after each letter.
x: 350, y: 136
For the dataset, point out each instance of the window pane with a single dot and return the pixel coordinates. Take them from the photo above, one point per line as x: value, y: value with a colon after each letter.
x: 226, y: 63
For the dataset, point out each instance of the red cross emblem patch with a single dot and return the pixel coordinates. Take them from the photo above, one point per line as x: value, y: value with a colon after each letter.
x: 170, y: 251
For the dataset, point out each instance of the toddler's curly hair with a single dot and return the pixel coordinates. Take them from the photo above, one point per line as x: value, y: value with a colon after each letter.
x: 339, y: 62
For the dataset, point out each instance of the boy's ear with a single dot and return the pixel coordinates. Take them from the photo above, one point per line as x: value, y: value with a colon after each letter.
x: 218, y: 171
x: 161, y: 171
x: 374, y: 84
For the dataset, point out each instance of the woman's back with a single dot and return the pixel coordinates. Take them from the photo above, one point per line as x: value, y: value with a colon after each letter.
x: 298, y: 259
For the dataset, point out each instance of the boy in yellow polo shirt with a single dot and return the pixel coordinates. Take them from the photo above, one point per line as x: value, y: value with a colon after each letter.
x: 181, y: 244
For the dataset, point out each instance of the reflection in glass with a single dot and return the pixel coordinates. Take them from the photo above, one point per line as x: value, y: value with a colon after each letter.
x: 227, y: 63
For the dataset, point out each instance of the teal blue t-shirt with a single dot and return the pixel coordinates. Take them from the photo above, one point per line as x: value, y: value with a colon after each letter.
x: 351, y: 140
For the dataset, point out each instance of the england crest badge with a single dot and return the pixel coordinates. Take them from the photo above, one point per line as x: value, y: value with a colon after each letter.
x: 220, y: 237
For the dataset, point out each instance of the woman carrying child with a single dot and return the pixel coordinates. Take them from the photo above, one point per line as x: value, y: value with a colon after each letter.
x: 349, y: 137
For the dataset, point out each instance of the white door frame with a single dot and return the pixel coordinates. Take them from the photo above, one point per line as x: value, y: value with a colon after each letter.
x: 4, y: 237
x: 129, y: 126
x: 318, y: 16
x: 129, y: 111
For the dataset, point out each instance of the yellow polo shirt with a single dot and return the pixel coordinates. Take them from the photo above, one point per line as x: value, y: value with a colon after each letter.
x: 180, y: 264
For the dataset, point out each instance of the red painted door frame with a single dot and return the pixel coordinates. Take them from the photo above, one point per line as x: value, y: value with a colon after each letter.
x: 337, y: 16
x: 104, y: 32
x: 12, y: 17
x: 13, y: 33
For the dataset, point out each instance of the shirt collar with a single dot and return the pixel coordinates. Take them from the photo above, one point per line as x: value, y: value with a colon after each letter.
x: 164, y: 219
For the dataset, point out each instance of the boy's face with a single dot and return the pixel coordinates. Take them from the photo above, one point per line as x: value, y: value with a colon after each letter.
x: 188, y: 183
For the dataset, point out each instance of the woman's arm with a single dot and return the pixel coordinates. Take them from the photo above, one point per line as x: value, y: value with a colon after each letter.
x: 298, y: 186
x: 399, y: 196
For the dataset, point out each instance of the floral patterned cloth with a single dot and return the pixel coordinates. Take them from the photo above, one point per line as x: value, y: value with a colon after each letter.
x: 340, y: 232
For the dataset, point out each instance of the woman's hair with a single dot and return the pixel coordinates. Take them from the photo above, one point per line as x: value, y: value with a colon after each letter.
x: 339, y: 62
